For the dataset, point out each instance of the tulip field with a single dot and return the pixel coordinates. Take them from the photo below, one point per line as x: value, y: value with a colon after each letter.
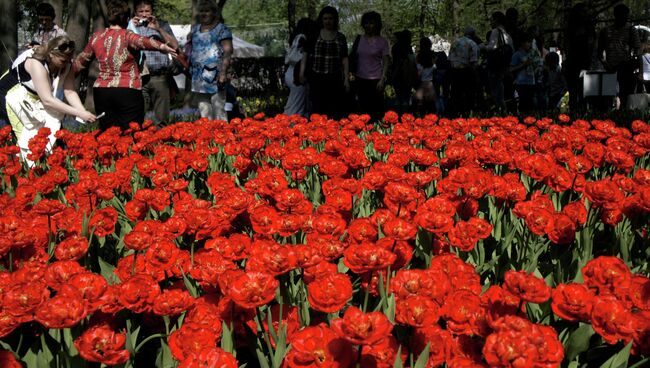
x: 285, y: 242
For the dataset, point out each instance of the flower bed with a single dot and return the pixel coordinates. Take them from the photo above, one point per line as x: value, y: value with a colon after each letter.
x: 282, y: 242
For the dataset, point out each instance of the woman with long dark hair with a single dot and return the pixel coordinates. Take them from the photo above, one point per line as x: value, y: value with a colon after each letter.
x: 117, y: 91
x: 296, y: 55
x: 328, y: 66
x: 371, y: 55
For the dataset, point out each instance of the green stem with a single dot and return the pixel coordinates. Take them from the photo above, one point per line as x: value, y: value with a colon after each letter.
x: 258, y: 315
x: 154, y: 336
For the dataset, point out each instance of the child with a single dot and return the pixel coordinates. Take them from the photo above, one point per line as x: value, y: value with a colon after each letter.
x: 523, y: 66
x: 425, y: 94
x: 556, y: 85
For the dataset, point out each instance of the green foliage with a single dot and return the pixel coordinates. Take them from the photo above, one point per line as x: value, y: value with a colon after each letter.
x: 174, y: 11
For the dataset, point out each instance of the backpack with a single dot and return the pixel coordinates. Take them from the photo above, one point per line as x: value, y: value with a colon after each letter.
x: 501, y: 56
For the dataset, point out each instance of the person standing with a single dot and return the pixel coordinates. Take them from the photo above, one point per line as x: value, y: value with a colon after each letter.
x: 296, y: 55
x: 499, y: 52
x: 47, y: 29
x: 210, y: 50
x: 425, y: 95
x: 328, y: 66
x: 578, y: 53
x: 404, y: 73
x: 463, y: 56
x: 524, y: 66
x: 117, y: 90
x: 371, y: 60
x: 155, y: 89
x: 618, y: 48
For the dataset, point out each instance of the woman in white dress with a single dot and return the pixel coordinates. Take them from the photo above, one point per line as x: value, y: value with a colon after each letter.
x: 298, y: 87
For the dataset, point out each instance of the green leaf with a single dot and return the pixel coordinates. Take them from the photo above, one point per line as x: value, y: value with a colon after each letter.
x: 226, y: 338
x: 619, y: 360
x: 280, y: 346
x: 262, y: 358
x: 578, y: 341
x: 164, y: 358
x: 398, y: 359
x: 107, y: 271
x: 190, y: 285
x: 423, y: 358
x: 131, y: 337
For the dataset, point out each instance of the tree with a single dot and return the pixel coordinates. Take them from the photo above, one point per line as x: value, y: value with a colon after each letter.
x: 8, y: 33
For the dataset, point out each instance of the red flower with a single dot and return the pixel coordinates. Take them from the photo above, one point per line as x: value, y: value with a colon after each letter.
x: 611, y: 320
x: 526, y: 286
x: 319, y: 346
x: 417, y: 311
x: 62, y: 311
x: 191, y: 339
x: 434, y: 222
x: 330, y: 293
x: 101, y: 344
x: 572, y: 302
x: 367, y: 257
x: 538, y: 221
x: 212, y: 357
x: 172, y: 302
x: 462, y: 311
x: 519, y: 343
x: 252, y: 289
x: 71, y: 249
x: 103, y: 221
x: 138, y: 293
x: 576, y: 211
x: 607, y: 275
x: 639, y: 292
x: 432, y: 283
x: 8, y: 360
x: 362, y: 328
x: 21, y: 300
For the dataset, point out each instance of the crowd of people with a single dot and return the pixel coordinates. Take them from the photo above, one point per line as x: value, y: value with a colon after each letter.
x: 514, y: 70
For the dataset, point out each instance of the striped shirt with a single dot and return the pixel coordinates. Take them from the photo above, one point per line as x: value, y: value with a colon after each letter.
x: 619, y: 43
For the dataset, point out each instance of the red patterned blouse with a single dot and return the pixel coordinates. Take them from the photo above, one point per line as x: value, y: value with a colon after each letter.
x: 114, y: 51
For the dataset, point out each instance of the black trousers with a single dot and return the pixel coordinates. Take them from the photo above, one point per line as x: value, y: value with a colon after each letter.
x: 121, y: 105
x: 371, y: 101
x: 327, y: 95
x: 463, y: 90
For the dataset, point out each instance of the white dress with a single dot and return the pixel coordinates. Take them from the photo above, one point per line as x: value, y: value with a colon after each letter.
x: 298, y: 95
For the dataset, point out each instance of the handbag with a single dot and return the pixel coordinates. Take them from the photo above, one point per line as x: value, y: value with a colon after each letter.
x: 638, y: 100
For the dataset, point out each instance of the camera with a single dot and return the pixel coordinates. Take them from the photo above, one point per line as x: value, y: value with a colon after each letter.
x: 143, y: 22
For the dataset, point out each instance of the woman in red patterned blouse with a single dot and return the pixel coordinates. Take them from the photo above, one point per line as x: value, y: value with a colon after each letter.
x: 117, y: 91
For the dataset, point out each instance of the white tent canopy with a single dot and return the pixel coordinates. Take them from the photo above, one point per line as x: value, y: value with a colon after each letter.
x: 242, y: 49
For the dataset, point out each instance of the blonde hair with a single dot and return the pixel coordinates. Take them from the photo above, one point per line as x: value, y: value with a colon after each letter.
x: 43, y: 52
x: 645, y: 47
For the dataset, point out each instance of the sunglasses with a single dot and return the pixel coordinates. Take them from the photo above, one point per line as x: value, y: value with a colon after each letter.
x: 65, y: 47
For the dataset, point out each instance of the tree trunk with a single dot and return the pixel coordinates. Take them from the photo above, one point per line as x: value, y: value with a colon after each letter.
x: 8, y: 33
x: 291, y: 15
x: 422, y: 17
x: 58, y: 11
x: 312, y: 12
x: 78, y: 22
x: 455, y: 16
